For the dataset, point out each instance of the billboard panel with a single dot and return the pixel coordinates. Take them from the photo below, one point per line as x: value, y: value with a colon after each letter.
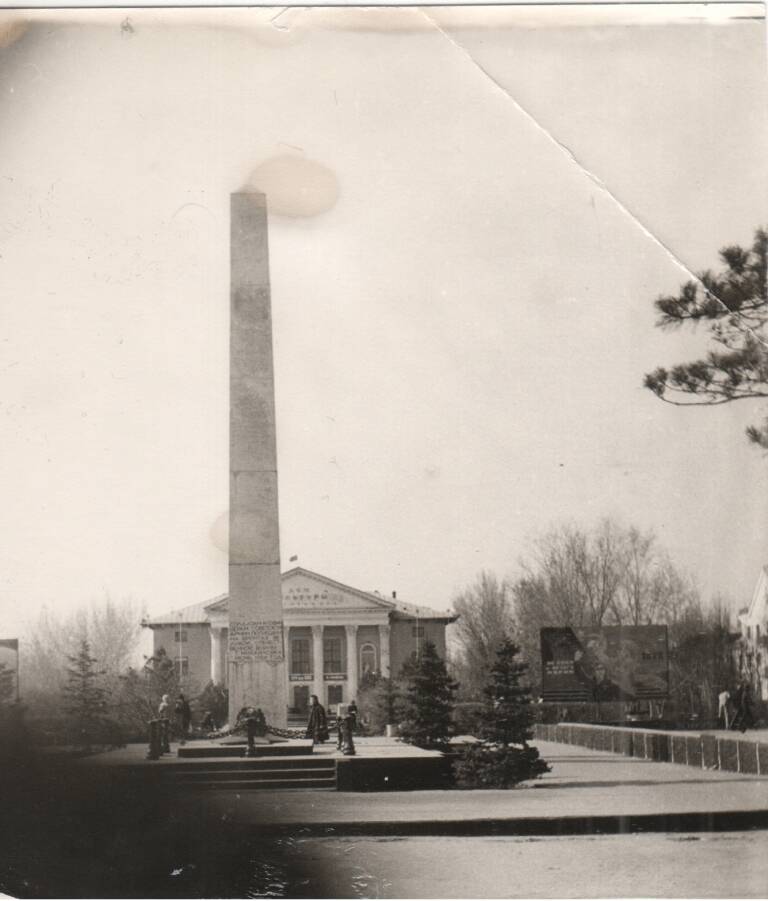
x: 9, y: 655
x: 609, y: 663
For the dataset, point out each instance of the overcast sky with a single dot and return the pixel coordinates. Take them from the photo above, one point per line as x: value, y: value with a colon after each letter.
x: 468, y: 227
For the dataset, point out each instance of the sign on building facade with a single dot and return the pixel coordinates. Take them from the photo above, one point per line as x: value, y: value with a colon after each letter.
x: 610, y: 663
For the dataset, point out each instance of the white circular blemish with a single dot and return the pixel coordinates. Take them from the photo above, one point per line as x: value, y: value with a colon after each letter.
x: 219, y: 532
x: 295, y: 186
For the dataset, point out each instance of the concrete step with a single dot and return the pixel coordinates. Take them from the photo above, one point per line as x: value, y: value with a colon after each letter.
x: 256, y: 765
x: 259, y: 780
x: 273, y: 785
x: 235, y: 775
x: 257, y: 774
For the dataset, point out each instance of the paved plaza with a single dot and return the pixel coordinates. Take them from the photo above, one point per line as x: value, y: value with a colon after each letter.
x: 600, y: 824
x: 716, y: 865
x: 583, y: 784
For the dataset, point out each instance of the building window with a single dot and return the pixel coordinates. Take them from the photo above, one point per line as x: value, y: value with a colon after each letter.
x: 418, y: 631
x: 301, y: 698
x: 749, y: 631
x: 181, y: 667
x: 335, y: 693
x: 300, y: 656
x: 367, y: 659
x: 332, y: 662
x: 179, y: 635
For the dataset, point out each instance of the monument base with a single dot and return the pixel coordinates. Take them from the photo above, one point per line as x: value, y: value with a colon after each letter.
x: 268, y: 739
x: 288, y: 748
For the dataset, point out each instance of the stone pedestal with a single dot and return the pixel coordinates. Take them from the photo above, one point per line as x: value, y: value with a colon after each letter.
x: 256, y: 656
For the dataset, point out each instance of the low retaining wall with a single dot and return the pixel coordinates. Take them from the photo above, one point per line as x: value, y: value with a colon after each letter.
x: 708, y: 752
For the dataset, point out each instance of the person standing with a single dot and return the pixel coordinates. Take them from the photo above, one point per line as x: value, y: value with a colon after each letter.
x: 317, y: 727
x: 352, y: 711
x: 743, y: 718
x: 183, y: 715
x: 163, y: 714
x: 722, y: 707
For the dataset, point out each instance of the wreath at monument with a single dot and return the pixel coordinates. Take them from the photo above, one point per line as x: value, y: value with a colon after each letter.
x: 256, y: 716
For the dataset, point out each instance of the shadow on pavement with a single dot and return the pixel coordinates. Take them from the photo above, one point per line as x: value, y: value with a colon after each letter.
x: 73, y: 830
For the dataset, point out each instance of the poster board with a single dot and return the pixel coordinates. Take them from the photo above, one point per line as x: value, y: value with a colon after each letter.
x: 609, y: 663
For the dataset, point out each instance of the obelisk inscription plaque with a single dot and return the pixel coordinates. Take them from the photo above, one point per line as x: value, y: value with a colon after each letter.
x: 256, y: 654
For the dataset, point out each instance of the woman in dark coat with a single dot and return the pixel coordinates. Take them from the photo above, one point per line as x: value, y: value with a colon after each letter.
x: 183, y: 714
x: 744, y: 718
x: 317, y: 727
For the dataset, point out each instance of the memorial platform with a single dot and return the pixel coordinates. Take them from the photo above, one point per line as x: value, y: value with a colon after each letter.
x: 381, y: 764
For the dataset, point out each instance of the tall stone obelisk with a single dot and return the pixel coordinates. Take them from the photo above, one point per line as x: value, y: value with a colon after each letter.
x: 256, y: 654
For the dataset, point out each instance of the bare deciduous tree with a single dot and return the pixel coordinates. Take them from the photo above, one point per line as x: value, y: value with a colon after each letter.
x: 111, y: 628
x: 609, y: 576
x: 485, y: 619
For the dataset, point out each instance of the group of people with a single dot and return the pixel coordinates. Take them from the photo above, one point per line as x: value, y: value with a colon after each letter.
x: 317, y: 726
x: 735, y: 710
x: 182, y: 714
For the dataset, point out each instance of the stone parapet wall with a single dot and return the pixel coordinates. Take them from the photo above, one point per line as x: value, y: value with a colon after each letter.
x: 712, y: 752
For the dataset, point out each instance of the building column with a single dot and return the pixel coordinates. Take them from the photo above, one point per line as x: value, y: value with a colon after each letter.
x: 351, y: 663
x: 317, y: 662
x: 217, y: 656
x: 287, y: 646
x: 384, y: 650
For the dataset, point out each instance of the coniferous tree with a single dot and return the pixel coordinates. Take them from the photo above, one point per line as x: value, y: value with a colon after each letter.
x: 86, y: 700
x: 428, y: 701
x: 734, y: 306
x: 503, y: 757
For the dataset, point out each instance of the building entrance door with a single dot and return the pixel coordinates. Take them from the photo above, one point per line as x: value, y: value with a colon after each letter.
x: 334, y: 695
x: 301, y: 698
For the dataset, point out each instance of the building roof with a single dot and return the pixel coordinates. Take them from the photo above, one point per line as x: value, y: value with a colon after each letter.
x: 416, y: 610
x: 193, y: 613
x: 200, y: 613
x: 755, y: 615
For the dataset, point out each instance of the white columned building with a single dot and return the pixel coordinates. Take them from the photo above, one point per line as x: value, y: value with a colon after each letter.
x: 335, y: 637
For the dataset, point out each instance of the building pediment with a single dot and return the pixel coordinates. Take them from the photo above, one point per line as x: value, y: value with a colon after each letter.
x: 306, y: 591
